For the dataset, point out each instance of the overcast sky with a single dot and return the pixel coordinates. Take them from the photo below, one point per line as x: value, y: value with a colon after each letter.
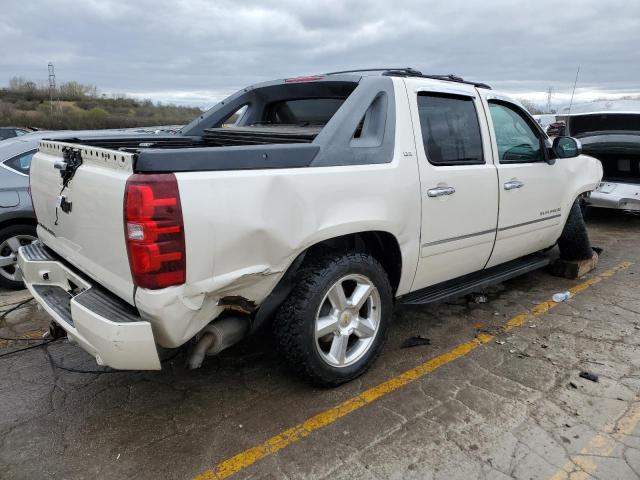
x: 198, y: 51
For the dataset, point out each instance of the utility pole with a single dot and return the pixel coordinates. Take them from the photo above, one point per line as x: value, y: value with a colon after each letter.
x: 52, y: 86
x: 549, y: 95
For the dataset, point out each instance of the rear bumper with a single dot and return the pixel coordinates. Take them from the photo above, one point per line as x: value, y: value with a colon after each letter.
x: 622, y: 196
x: 105, y: 326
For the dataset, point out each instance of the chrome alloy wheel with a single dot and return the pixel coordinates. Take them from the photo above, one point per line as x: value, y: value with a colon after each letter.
x: 348, y: 320
x: 9, y: 255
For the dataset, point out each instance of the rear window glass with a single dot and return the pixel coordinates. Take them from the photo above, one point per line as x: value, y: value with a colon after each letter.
x: 450, y: 129
x: 306, y: 111
x: 21, y: 163
x: 603, y: 122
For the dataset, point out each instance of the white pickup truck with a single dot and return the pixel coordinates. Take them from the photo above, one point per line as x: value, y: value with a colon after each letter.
x: 308, y: 206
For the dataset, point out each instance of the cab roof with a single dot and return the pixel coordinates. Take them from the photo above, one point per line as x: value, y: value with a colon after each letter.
x: 410, y: 72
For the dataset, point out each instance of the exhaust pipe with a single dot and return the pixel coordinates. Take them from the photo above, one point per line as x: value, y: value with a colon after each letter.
x: 218, y: 336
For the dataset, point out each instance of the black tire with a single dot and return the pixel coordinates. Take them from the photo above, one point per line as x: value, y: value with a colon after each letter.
x: 584, y: 206
x: 9, y: 271
x: 574, y: 243
x: 295, y: 322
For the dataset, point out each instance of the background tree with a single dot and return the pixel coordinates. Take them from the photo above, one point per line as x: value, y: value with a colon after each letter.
x: 531, y: 107
x: 79, y: 106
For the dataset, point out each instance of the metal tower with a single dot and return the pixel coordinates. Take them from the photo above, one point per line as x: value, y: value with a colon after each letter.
x: 52, y: 85
x: 549, y: 95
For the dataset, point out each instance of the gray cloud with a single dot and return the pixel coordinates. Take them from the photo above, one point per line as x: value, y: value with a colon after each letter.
x: 199, y: 50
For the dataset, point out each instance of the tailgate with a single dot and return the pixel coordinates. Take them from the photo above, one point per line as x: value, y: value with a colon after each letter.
x: 90, y: 234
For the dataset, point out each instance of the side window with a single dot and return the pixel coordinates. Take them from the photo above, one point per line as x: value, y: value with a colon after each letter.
x: 517, y: 140
x: 21, y: 163
x: 450, y: 129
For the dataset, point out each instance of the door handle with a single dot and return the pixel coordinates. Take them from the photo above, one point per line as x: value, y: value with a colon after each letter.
x: 440, y: 191
x: 513, y: 184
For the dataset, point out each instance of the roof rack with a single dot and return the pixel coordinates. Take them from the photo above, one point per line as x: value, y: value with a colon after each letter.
x: 411, y: 72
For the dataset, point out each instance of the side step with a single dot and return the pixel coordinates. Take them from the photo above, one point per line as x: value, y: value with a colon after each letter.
x: 475, y: 281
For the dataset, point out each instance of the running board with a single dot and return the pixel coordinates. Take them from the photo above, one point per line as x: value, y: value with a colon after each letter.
x: 475, y: 281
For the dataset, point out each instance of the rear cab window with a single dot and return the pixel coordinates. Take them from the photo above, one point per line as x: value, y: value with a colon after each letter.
x: 289, y: 104
x: 304, y: 111
x: 450, y: 129
x: 290, y: 112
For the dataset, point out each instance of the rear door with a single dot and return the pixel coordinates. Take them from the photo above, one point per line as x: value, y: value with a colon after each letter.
x: 89, y: 231
x: 458, y: 181
x: 531, y: 190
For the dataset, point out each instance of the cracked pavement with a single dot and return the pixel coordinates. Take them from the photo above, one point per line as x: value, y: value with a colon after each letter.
x: 516, y: 409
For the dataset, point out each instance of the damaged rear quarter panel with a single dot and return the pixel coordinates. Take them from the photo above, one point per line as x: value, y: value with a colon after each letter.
x: 244, y: 228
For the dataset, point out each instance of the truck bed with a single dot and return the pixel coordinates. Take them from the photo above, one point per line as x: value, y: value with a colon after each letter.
x: 237, y: 148
x: 212, y: 137
x: 260, y: 135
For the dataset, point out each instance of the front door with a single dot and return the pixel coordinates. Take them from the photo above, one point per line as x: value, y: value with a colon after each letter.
x: 531, y: 190
x: 458, y: 181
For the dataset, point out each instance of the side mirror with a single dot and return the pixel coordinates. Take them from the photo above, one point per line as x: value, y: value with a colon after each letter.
x: 566, y: 147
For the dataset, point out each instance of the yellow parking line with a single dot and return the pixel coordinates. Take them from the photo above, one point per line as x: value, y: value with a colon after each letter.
x: 244, y: 459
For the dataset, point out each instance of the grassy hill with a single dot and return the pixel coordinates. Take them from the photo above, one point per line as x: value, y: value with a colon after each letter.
x: 77, y: 106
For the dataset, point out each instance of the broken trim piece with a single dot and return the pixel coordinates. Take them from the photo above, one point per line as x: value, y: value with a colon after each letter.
x: 238, y: 304
x: 279, y: 294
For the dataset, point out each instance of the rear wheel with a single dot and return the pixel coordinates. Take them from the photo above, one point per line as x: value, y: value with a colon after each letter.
x: 334, y: 323
x: 11, y: 239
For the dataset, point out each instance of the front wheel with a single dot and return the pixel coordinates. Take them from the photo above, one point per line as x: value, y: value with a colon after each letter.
x: 574, y: 242
x: 334, y: 323
x: 584, y: 206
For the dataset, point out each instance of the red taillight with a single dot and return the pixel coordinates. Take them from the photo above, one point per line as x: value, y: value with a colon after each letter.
x: 154, y: 231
